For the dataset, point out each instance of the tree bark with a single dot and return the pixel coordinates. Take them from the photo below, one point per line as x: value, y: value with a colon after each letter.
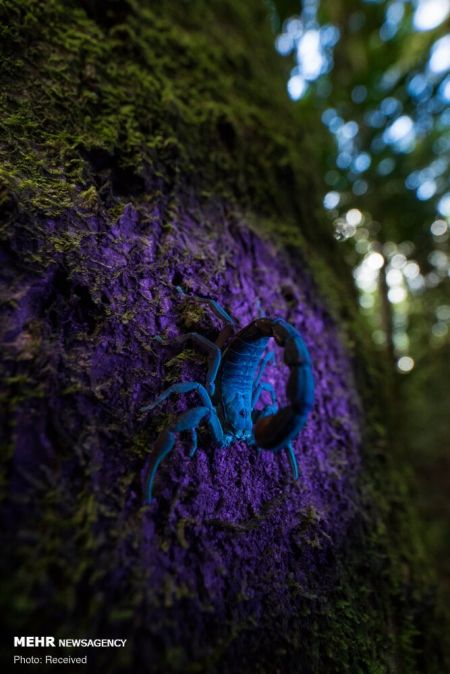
x: 146, y: 149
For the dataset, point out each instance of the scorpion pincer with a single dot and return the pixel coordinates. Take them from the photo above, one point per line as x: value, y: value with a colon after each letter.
x: 233, y: 387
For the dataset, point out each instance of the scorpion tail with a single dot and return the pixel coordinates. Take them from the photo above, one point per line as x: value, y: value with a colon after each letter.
x: 275, y: 431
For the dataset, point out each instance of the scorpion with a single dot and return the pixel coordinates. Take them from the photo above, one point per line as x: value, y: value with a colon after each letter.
x: 233, y: 387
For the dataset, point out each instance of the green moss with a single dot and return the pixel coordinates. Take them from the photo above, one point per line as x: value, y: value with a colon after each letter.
x: 146, y: 94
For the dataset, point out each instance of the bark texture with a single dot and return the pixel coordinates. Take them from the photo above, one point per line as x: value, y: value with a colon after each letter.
x: 144, y: 149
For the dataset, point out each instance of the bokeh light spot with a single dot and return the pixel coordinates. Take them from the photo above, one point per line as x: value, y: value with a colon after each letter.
x: 400, y: 134
x: 405, y: 364
x: 396, y: 295
x: 411, y: 270
x: 354, y: 216
x: 398, y: 261
x: 444, y: 205
x: 374, y: 261
x: 360, y: 187
x: 426, y: 190
x: 394, y: 277
x: 440, y: 55
x: 438, y: 228
x: 359, y: 93
x: 296, y: 87
x: 430, y: 13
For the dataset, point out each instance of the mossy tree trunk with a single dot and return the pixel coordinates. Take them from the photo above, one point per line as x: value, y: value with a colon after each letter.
x: 143, y: 148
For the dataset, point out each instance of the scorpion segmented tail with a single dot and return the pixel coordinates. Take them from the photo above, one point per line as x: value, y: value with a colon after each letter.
x: 275, y: 431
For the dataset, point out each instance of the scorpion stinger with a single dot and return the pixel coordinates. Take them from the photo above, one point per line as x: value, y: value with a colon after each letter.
x: 234, y: 386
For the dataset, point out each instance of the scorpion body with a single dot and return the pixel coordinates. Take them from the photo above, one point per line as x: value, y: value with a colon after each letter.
x: 233, y: 387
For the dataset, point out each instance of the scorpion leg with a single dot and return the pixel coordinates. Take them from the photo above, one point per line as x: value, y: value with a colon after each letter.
x: 268, y: 358
x: 166, y: 440
x: 292, y: 460
x: 164, y: 445
x: 185, y: 422
x: 268, y: 409
x: 225, y: 317
x: 259, y: 308
x: 216, y: 431
x: 194, y: 443
x: 186, y: 387
x: 265, y: 386
x: 217, y: 309
x: 219, y: 312
x: 214, y: 356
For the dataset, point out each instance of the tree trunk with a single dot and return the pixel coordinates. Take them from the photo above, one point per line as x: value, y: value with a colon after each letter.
x: 145, y: 150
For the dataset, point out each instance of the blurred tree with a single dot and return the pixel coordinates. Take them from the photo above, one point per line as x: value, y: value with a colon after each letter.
x: 378, y: 74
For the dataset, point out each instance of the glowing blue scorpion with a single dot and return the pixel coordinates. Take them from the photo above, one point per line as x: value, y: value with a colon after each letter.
x: 233, y: 387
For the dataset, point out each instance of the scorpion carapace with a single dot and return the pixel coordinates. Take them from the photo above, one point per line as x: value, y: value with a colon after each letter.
x: 233, y: 387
